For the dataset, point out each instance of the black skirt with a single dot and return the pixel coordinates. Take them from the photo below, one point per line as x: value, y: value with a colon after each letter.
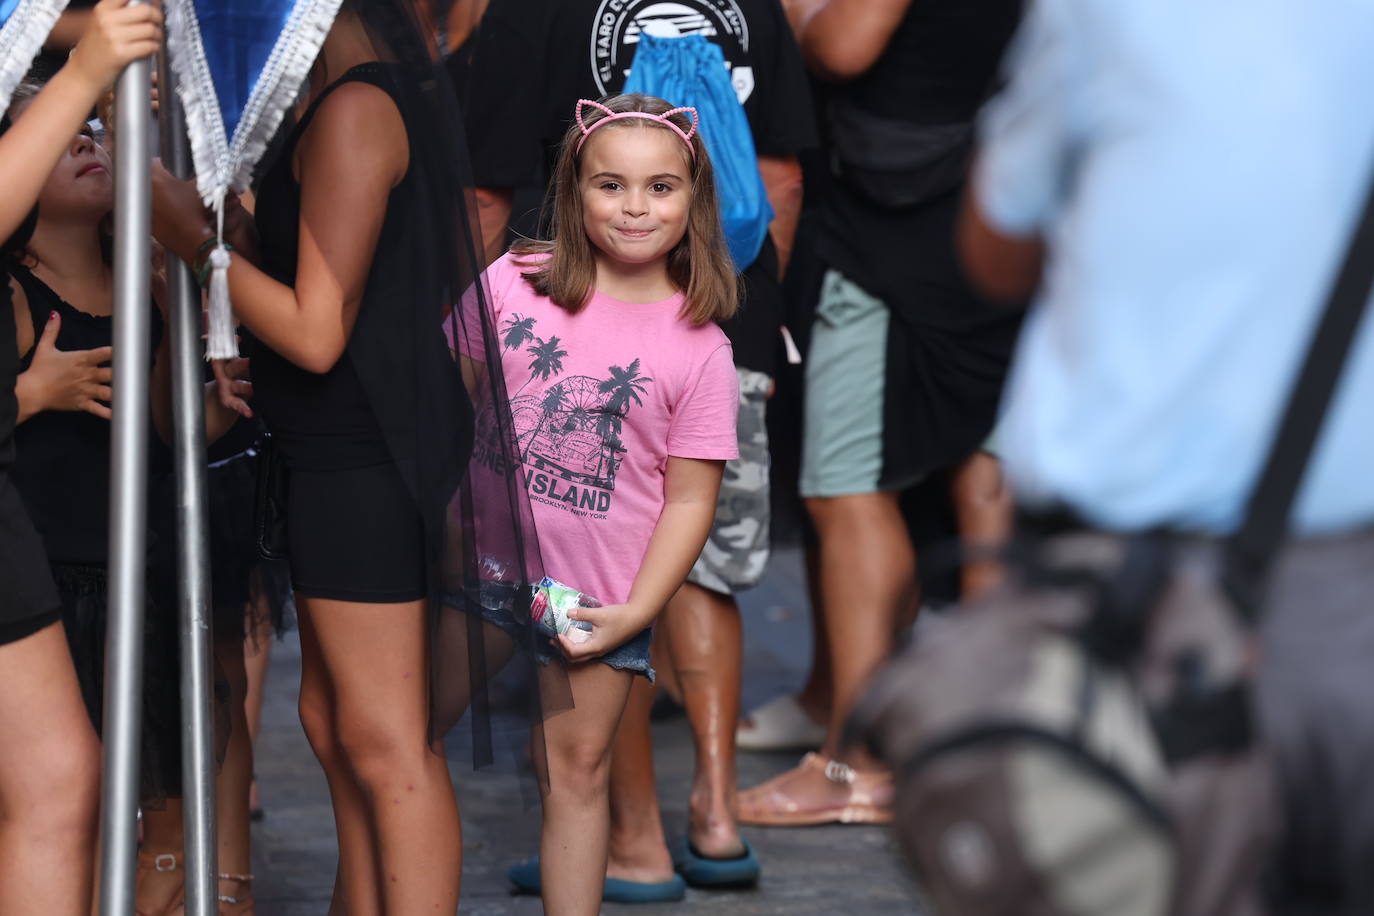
x: 247, y: 592
x: 85, y: 613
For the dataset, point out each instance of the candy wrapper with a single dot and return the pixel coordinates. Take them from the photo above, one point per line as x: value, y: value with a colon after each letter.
x: 551, y: 603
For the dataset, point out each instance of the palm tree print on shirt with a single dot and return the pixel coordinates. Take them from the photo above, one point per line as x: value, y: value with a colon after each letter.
x: 517, y: 331
x: 548, y: 361
x: 573, y: 428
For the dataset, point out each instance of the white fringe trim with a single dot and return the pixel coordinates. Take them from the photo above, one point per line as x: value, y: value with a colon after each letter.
x: 21, y: 38
x: 279, y: 84
x: 224, y: 164
x: 196, y: 89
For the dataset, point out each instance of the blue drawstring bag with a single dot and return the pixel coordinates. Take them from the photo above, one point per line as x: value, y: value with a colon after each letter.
x: 691, y: 72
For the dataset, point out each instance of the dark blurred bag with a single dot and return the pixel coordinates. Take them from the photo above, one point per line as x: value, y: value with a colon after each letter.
x: 269, y: 499
x: 1082, y: 743
x: 893, y: 164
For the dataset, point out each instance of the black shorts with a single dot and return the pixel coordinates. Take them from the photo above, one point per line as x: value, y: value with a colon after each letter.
x: 355, y: 535
x: 28, y: 598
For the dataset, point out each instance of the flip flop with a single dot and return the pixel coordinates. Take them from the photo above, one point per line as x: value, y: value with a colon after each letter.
x: 699, y: 871
x: 525, y: 877
x: 781, y: 724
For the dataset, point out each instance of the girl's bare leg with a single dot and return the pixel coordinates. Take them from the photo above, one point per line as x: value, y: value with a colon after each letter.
x: 372, y: 658
x: 49, y: 780
x: 572, y: 850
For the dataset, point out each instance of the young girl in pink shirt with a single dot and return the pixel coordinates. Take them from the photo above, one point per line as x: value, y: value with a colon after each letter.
x: 623, y: 399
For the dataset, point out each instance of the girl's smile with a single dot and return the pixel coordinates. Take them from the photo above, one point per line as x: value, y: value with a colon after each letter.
x: 636, y: 194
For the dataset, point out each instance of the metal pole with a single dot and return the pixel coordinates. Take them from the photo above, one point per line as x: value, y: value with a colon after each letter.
x: 128, y: 492
x: 193, y: 561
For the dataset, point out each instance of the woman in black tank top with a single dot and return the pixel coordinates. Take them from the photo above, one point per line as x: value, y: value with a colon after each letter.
x: 343, y: 317
x: 49, y: 751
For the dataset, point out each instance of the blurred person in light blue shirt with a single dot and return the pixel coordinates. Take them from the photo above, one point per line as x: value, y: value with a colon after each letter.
x: 1180, y: 181
x: 1195, y: 171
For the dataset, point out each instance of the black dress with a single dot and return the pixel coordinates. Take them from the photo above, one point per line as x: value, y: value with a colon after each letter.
x: 28, y: 601
x: 63, y: 473
x: 356, y: 524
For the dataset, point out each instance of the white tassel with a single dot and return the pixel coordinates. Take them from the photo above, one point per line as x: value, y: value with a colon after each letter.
x: 221, y: 342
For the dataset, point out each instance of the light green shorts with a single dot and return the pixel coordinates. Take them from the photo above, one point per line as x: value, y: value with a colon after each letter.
x: 846, y: 374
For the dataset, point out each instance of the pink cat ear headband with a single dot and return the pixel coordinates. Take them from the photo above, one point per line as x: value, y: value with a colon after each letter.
x: 609, y: 116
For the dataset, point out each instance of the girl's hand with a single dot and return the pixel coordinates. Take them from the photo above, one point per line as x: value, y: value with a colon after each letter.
x: 233, y: 387
x: 612, y: 627
x: 179, y: 220
x: 118, y: 34
x: 69, y: 379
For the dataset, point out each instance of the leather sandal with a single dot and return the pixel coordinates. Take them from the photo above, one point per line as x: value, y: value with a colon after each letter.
x: 854, y: 797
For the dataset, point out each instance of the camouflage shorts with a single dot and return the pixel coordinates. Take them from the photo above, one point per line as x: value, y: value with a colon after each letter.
x: 736, y: 553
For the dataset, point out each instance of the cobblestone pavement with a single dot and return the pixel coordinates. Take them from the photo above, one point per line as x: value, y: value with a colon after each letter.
x: 826, y: 871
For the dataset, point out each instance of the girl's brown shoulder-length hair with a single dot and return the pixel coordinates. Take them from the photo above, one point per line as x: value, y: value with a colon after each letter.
x: 564, y: 268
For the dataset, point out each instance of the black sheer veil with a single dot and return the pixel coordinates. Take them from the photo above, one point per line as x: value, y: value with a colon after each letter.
x: 429, y: 362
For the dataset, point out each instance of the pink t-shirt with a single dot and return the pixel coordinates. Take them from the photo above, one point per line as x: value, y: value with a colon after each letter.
x: 599, y: 401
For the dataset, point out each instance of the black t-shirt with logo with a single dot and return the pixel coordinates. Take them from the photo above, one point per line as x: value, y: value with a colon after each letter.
x: 533, y: 59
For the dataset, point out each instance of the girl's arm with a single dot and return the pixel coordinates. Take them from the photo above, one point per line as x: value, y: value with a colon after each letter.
x: 354, y: 152
x: 117, y: 35
x: 691, y: 487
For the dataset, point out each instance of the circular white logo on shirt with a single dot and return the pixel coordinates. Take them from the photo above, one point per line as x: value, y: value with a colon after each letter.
x: 619, y: 23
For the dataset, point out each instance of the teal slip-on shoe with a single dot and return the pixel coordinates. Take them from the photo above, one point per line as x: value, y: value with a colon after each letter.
x: 699, y: 871
x: 525, y: 877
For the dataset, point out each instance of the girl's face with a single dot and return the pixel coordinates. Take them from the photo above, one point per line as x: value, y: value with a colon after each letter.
x: 81, y: 186
x: 636, y: 192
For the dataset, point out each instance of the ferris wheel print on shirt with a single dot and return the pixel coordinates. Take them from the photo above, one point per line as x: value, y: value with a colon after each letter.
x: 568, y: 428
x: 619, y: 23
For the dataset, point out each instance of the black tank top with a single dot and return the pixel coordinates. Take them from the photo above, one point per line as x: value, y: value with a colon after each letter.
x: 939, y: 65
x: 63, y: 464
x: 321, y: 421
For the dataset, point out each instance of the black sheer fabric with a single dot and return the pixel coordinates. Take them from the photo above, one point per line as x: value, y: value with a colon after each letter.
x: 402, y: 360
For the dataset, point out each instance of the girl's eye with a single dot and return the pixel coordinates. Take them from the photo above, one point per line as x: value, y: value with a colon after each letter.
x: 610, y: 186
x: 660, y: 187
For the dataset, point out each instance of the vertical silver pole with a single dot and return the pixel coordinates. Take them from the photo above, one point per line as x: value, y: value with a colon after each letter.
x: 128, y: 492
x: 193, y: 562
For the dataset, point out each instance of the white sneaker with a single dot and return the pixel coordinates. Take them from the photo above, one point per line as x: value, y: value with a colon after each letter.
x: 781, y: 724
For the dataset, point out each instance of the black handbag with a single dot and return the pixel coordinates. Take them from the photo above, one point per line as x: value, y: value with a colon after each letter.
x: 269, y: 499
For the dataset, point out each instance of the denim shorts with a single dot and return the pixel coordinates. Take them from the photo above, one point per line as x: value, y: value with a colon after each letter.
x: 632, y: 656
